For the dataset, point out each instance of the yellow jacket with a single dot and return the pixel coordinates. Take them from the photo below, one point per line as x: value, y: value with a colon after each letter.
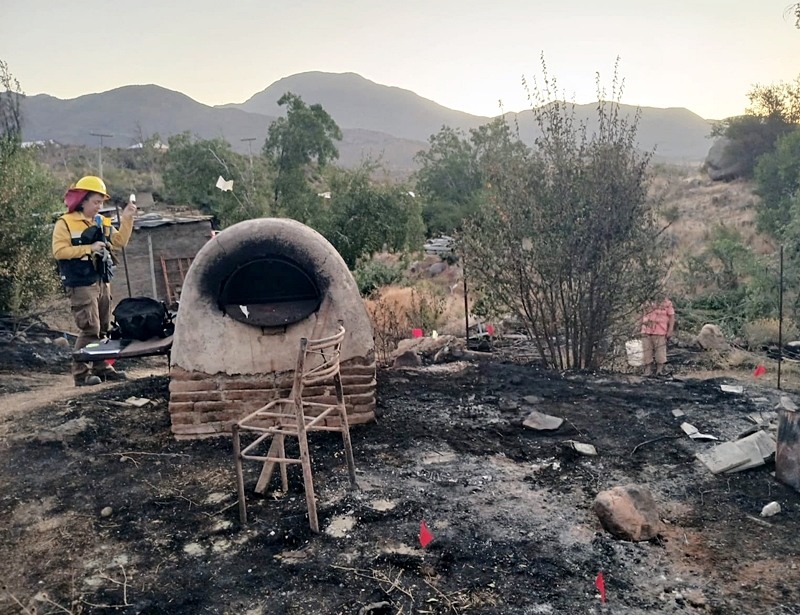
x: 73, y: 237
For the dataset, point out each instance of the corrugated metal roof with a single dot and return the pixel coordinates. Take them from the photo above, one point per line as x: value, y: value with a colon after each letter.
x: 154, y: 219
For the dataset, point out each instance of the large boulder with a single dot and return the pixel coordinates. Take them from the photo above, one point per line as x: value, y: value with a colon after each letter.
x: 711, y: 338
x: 722, y: 164
x: 628, y: 512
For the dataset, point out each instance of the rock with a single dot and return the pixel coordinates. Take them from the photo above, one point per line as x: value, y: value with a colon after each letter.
x: 695, y: 598
x: 628, y: 512
x: 542, y: 422
x: 437, y: 268
x: 407, y: 359
x: 711, y: 338
x: 507, y: 405
x: 581, y: 447
x: 428, y: 347
x: 722, y: 163
x: 773, y: 508
x: 61, y: 342
x: 107, y: 512
x: 65, y: 431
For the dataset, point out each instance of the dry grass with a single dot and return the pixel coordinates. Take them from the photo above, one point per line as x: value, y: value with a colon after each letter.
x: 701, y: 205
x: 740, y: 364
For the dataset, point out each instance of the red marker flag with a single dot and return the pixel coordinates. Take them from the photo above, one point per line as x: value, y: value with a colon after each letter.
x: 416, y: 332
x: 425, y: 536
x: 600, y: 584
x: 759, y: 371
x: 490, y: 329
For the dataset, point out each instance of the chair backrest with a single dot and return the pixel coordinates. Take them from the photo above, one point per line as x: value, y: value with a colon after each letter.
x: 318, y: 360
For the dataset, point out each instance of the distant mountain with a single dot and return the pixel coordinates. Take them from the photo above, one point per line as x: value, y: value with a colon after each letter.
x: 377, y: 121
x: 131, y: 113
x: 674, y: 134
x: 355, y: 102
x: 134, y: 112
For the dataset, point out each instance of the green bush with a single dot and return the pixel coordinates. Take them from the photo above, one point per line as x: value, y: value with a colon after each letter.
x: 372, y: 275
x: 28, y: 199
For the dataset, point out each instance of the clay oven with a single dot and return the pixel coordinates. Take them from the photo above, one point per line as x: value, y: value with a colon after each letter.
x: 251, y: 293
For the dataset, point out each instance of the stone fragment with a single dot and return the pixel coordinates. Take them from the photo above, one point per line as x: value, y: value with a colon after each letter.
x: 581, y: 447
x: 711, y: 338
x: 628, y: 512
x: 542, y: 422
x: 773, y: 508
x: 695, y: 598
x: 107, y: 511
x: 407, y: 359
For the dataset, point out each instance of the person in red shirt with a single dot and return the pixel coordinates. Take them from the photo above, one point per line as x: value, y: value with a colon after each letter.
x: 658, y: 323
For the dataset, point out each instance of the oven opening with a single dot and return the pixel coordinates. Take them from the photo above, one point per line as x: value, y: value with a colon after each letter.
x: 269, y: 292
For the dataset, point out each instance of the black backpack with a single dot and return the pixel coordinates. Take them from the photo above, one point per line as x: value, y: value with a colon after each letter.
x: 142, y: 318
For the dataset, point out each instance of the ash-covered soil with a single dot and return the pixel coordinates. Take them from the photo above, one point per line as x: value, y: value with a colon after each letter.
x: 509, y: 508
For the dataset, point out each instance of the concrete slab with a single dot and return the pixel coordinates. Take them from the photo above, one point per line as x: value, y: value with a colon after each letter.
x: 732, y: 388
x: 749, y: 447
x: 694, y: 433
x: 723, y: 457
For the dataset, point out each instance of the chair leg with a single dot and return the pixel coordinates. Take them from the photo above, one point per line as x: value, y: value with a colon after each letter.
x: 348, y: 446
x: 269, y: 466
x: 237, y: 454
x: 284, y: 474
x: 308, y: 481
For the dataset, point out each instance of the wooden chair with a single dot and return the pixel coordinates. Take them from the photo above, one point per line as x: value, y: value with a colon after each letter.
x: 317, y: 364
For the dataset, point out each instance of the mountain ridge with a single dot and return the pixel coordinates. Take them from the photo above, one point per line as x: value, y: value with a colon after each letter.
x: 378, y: 121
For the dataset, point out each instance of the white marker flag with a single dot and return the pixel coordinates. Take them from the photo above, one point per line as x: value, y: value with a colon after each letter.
x: 225, y: 186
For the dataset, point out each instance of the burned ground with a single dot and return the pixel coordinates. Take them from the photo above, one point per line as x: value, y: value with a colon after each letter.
x: 509, y: 508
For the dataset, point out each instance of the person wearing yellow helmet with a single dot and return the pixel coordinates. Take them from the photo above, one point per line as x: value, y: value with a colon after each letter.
x: 82, y: 242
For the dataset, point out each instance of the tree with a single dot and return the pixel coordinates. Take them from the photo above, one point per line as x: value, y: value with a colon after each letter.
x: 191, y: 169
x: 10, y: 96
x: 453, y: 171
x: 568, y: 241
x: 777, y: 176
x: 28, y: 199
x: 295, y: 143
x: 774, y: 111
x: 363, y: 217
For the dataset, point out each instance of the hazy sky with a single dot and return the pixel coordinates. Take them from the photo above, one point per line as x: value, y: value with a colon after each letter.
x: 465, y: 54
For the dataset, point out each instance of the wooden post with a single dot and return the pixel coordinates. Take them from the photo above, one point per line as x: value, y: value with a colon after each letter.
x: 780, y: 319
x: 237, y: 455
x: 124, y: 258
x: 152, y: 265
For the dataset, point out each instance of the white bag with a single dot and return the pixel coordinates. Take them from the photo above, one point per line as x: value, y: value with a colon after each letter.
x: 635, y: 354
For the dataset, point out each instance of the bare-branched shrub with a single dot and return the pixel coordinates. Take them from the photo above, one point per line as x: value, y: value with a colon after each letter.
x: 390, y: 325
x: 569, y: 241
x: 427, y: 309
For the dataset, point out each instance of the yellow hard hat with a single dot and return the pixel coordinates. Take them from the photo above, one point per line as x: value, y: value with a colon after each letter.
x: 94, y: 184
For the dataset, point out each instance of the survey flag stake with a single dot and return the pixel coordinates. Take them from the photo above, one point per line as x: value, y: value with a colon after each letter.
x: 416, y: 332
x: 425, y: 536
x: 759, y: 371
x: 600, y: 584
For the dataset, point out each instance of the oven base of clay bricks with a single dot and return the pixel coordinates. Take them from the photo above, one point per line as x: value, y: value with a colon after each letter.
x: 205, y: 405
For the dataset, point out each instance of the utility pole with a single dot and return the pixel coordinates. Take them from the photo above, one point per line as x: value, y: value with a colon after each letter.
x: 250, y: 150
x: 101, y: 136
